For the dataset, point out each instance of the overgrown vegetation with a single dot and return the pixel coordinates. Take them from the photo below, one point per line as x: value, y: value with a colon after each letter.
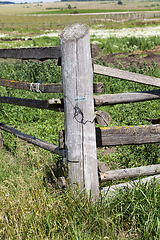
x: 32, y: 206
x: 126, y: 44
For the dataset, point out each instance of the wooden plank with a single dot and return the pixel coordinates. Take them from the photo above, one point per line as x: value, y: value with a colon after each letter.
x: 114, y: 136
x: 102, y: 118
x: 33, y: 87
x: 111, y: 191
x: 43, y: 87
x: 123, y: 174
x: 99, y: 100
x: 127, y: 135
x: 39, y: 53
x: 153, y: 120
x: 94, y: 50
x: 129, y: 76
x: 129, y: 173
x: 119, y: 98
x: 98, y: 87
x: 77, y: 76
x: 35, y: 141
x: 53, y: 104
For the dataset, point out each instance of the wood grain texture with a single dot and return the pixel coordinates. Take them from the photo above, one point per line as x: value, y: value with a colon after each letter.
x: 119, y: 98
x: 127, y: 135
x: 33, y: 87
x: 129, y: 76
x: 111, y: 191
x: 77, y: 76
x: 102, y: 118
x: 35, y: 141
x: 43, y: 87
x: 98, y: 87
x: 114, y: 136
x: 39, y: 53
x: 129, y: 173
x: 52, y: 104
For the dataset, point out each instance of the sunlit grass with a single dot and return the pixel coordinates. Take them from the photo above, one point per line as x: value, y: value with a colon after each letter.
x: 32, y: 205
x: 33, y: 209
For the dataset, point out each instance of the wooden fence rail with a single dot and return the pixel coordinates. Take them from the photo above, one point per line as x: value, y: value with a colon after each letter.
x: 126, y: 135
x: 130, y: 173
x: 100, y: 100
x: 43, y: 87
x: 35, y: 141
x: 39, y: 53
x: 79, y: 140
x: 119, y: 98
x: 52, y: 104
x: 125, y: 75
x: 111, y: 191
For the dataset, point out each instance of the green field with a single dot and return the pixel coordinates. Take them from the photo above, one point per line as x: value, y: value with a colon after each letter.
x: 32, y: 205
x: 42, y: 16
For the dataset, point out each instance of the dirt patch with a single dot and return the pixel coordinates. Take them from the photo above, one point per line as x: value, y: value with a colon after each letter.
x: 109, y: 150
x: 137, y: 57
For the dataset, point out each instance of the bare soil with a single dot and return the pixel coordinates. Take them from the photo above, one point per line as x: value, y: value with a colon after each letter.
x: 136, y: 57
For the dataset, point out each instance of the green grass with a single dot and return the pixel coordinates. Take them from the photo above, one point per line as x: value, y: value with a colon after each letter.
x: 32, y: 210
x: 126, y: 44
x: 32, y: 206
x: 75, y: 11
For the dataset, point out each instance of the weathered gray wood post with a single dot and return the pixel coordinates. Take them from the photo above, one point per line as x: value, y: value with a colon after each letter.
x: 80, y: 140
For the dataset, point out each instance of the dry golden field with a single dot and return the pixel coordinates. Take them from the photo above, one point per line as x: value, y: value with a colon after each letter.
x: 38, y: 7
x: 26, y: 16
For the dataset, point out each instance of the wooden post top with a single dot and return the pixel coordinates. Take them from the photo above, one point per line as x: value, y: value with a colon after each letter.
x: 73, y: 32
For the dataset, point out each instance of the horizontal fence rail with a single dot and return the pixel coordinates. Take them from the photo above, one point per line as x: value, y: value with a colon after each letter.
x: 35, y: 141
x: 119, y: 98
x: 130, y: 173
x: 53, y: 104
x: 125, y: 75
x: 39, y: 53
x: 127, y: 135
x: 111, y: 191
x: 43, y: 87
x: 116, y: 136
x: 100, y: 100
x: 54, y: 53
x: 33, y: 87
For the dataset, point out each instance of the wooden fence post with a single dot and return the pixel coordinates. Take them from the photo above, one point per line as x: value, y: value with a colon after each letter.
x: 80, y: 139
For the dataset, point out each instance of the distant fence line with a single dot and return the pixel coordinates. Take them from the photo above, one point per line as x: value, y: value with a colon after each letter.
x: 107, y: 17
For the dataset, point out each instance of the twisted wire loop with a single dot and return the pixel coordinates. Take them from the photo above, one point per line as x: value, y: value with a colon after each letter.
x: 31, y: 87
x: 37, y: 87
